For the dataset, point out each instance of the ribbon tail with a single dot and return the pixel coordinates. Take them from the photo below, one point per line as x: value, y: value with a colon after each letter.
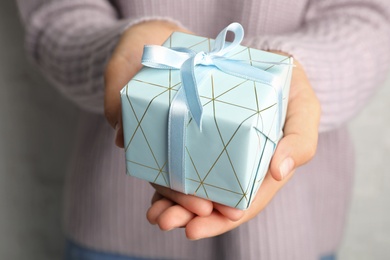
x: 189, y: 85
x: 178, y: 117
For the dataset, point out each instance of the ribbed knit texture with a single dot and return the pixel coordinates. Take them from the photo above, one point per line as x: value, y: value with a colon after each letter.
x: 344, y: 48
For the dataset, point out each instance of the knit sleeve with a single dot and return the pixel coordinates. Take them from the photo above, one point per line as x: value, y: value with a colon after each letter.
x: 71, y: 42
x: 344, y: 47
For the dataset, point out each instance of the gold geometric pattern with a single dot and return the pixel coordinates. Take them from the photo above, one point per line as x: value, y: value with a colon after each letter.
x: 225, y: 163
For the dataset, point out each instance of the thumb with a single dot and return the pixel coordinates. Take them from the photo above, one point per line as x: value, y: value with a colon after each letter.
x: 299, y: 143
x: 292, y: 151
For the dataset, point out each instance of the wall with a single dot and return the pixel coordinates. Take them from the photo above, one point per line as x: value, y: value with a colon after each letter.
x: 36, y: 135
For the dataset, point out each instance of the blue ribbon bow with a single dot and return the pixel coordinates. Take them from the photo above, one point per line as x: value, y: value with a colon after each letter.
x: 187, y: 97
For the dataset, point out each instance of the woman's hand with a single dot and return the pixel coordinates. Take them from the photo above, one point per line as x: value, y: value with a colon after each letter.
x: 123, y: 65
x: 168, y: 215
x: 296, y: 148
x: 125, y: 62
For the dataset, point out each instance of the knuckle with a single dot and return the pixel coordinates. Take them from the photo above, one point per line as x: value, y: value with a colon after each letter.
x: 149, y: 217
x: 164, y: 224
x: 108, y: 115
x: 311, y: 150
x: 191, y: 234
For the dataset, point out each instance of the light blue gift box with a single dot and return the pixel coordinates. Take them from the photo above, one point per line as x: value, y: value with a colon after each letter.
x: 225, y: 162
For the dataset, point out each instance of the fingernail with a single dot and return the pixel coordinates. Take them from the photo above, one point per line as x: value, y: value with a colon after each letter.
x: 286, y: 167
x: 117, y: 138
x: 116, y: 131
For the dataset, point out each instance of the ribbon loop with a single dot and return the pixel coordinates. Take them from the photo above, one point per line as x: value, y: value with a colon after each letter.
x: 221, y: 47
x: 160, y: 57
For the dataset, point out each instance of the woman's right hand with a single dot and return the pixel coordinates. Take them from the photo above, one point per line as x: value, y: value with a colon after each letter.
x: 123, y: 65
x: 125, y: 62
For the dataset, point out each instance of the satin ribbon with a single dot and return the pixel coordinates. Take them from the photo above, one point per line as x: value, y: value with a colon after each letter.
x: 187, y: 98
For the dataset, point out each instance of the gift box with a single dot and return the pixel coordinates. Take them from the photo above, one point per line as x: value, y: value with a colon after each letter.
x: 225, y: 156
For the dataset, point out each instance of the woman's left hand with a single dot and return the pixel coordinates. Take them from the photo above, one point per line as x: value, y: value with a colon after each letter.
x: 297, y: 147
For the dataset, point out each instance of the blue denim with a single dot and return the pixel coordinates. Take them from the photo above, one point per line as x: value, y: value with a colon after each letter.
x: 74, y: 251
x: 328, y: 257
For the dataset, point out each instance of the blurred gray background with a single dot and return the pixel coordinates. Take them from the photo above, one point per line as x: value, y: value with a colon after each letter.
x: 37, y: 126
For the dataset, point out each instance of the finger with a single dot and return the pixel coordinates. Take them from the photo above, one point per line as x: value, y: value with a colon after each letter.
x: 198, y: 206
x: 299, y: 143
x: 118, y: 72
x: 216, y: 224
x: 210, y: 226
x: 174, y: 217
x: 119, y: 140
x: 231, y: 213
x: 157, y: 209
x: 156, y: 196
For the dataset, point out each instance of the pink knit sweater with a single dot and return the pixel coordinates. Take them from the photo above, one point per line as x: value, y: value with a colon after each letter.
x: 343, y: 46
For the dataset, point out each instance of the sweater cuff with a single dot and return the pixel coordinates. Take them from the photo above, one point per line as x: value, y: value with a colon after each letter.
x: 73, y: 55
